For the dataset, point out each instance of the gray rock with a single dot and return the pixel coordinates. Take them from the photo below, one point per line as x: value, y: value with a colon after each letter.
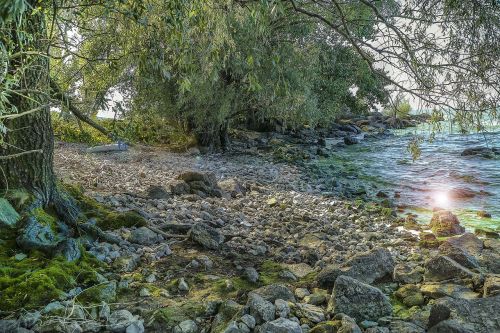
x: 359, y: 300
x: 405, y: 327
x: 29, y: 319
x: 301, y: 293
x: 70, y: 249
x: 179, y: 187
x: 232, y: 187
x: 135, y: 327
x: 186, y: 326
x: 451, y: 326
x: 406, y: 274
x: 458, y: 254
x: 251, y: 274
x: 281, y: 325
x: 282, y: 308
x: 261, y: 309
x: 127, y: 263
x: 119, y: 321
x: 480, y: 315
x: 144, y: 236
x: 273, y: 292
x: 491, y: 285
x: 90, y: 326
x: 8, y: 325
x: 444, y: 224
x: 8, y: 215
x: 441, y: 268
x: 183, y: 286
x: 144, y: 292
x: 311, y: 313
x: 157, y: 192
x: 348, y: 325
x: 53, y: 308
x: 248, y: 320
x: 206, y: 236
x: 73, y: 327
x: 369, y: 267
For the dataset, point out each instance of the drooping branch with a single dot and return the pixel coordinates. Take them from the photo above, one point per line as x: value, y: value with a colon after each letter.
x: 58, y: 94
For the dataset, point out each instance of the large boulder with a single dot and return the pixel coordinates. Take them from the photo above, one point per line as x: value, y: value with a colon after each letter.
x: 477, y: 315
x: 8, y: 215
x: 444, y: 223
x: 458, y: 254
x: 144, y: 236
x: 358, y: 300
x: 441, y: 268
x: 206, y: 236
x: 373, y: 266
x: 260, y: 309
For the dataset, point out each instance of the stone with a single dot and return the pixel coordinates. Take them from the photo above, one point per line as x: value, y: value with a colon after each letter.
x: 206, y: 236
x: 311, y: 313
x: 301, y: 293
x: 275, y: 291
x: 70, y: 249
x: 8, y: 215
x: 37, y: 236
x: 479, y: 315
x: 444, y: 223
x: 251, y: 274
x: 410, y: 295
x: 186, y: 326
x: 104, y: 311
x: 144, y: 236
x: 351, y: 140
x: 8, y: 325
x: 491, y: 285
x: 458, y: 254
x: 401, y: 326
x: 406, y: 274
x: 281, y: 325
x: 179, y: 187
x: 248, y: 320
x: 90, y: 326
x: 316, y: 299
x: 127, y: 264
x: 53, y: 308
x: 261, y: 309
x: 182, y: 285
x: 438, y: 313
x: 469, y: 242
x: 272, y: 202
x: 373, y: 266
x: 451, y: 326
x: 135, y: 327
x: 29, y: 319
x: 157, y: 192
x: 282, y: 308
x: 227, y: 310
x: 484, y: 152
x: 119, y: 320
x: 232, y: 187
x: 144, y: 292
x: 439, y: 290
x: 359, y: 300
x: 441, y: 268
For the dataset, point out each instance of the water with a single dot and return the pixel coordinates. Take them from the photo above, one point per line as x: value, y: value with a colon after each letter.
x: 427, y: 182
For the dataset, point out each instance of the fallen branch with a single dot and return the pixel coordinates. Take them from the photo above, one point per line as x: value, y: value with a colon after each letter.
x: 58, y: 94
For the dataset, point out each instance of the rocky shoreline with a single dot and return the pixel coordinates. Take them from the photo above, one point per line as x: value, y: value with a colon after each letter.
x: 242, y: 242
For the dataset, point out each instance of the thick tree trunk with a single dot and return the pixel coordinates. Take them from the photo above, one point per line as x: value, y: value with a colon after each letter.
x: 31, y: 132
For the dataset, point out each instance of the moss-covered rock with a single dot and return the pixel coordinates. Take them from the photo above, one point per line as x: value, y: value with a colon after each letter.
x: 327, y: 327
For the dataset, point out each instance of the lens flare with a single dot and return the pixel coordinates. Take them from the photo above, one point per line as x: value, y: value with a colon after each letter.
x: 441, y: 199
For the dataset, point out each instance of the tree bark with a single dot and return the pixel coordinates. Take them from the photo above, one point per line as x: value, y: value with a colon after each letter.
x: 31, y: 132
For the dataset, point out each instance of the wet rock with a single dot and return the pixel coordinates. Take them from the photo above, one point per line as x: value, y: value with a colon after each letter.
x: 491, y: 285
x: 206, y: 236
x: 179, y: 187
x: 273, y: 292
x: 144, y: 236
x: 375, y: 265
x: 261, y: 309
x: 483, y: 152
x: 311, y: 313
x: 8, y: 215
x: 445, y: 223
x: 358, y: 300
x: 441, y: 268
x: 281, y: 325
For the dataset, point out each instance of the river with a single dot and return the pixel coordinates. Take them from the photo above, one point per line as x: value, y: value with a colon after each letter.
x: 429, y: 181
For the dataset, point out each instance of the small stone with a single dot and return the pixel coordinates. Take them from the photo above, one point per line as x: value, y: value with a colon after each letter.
x: 251, y: 274
x: 135, y: 327
x: 261, y: 309
x: 104, y: 311
x: 183, y: 286
x: 287, y: 275
x: 186, y: 326
x: 119, y: 320
x: 20, y: 256
x: 206, y: 236
x: 301, y: 293
x: 282, y: 308
x: 144, y: 292
x: 151, y: 278
x: 248, y: 320
x: 281, y: 325
x: 312, y: 313
x: 272, y: 202
x: 410, y: 295
x: 144, y: 236
x: 29, y: 319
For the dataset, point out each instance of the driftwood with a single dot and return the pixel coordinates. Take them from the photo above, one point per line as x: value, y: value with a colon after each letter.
x: 120, y: 146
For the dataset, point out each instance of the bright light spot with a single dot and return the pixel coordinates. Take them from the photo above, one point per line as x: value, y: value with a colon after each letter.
x: 441, y: 199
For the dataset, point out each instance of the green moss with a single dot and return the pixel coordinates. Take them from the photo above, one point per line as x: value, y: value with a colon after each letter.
x: 326, y: 327
x: 175, y: 313
x: 105, y: 217
x: 37, y: 280
x: 45, y: 218
x: 269, y: 272
x: 19, y: 198
x: 308, y: 281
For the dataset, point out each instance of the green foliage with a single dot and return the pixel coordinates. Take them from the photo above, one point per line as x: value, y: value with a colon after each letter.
x: 401, y: 110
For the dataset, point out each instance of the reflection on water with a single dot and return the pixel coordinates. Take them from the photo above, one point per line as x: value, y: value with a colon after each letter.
x: 439, y: 177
